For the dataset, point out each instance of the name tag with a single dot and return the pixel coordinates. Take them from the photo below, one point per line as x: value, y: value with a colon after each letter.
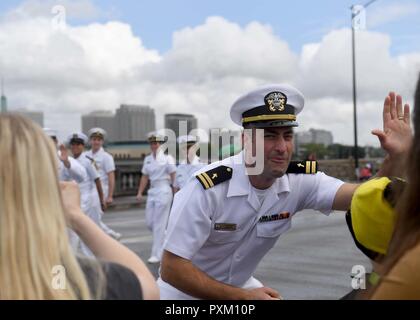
x: 274, y: 217
x: 225, y: 226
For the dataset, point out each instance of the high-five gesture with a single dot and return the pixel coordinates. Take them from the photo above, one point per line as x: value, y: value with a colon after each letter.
x: 396, y: 136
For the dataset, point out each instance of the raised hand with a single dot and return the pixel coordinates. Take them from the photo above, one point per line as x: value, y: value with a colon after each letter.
x: 64, y: 154
x: 396, y: 136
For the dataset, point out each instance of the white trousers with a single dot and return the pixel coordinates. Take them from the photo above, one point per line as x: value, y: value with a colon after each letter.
x: 91, y: 210
x: 158, y: 206
x: 102, y: 224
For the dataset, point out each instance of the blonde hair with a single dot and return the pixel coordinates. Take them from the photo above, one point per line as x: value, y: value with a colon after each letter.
x: 33, y: 234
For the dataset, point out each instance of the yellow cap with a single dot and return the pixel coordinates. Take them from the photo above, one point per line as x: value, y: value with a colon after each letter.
x: 372, y: 216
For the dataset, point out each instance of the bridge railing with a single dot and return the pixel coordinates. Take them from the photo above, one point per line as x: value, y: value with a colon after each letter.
x: 127, y: 176
x: 128, y: 172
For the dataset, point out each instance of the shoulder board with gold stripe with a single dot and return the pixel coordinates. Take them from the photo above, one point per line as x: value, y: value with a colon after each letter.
x: 214, y: 176
x: 305, y: 167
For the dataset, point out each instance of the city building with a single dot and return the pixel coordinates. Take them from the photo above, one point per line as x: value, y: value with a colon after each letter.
x: 180, y: 123
x: 129, y: 123
x: 134, y: 122
x: 101, y: 119
x: 315, y: 136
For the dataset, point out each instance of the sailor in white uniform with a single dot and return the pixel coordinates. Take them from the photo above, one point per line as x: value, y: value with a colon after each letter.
x: 68, y: 168
x: 224, y: 221
x: 90, y: 188
x: 104, y: 162
x: 191, y: 162
x: 159, y: 169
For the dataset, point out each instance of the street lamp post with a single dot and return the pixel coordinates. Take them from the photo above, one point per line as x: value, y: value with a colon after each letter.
x: 355, y: 11
x: 356, y: 155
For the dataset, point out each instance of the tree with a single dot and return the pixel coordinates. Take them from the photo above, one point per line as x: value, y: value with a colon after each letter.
x: 314, y: 151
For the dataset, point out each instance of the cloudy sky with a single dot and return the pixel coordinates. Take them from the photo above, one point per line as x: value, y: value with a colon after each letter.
x: 199, y: 56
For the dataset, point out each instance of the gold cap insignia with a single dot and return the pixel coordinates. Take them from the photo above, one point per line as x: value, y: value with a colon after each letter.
x: 275, y: 101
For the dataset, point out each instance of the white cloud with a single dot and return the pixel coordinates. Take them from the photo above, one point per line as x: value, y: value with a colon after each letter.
x: 328, y: 71
x: 336, y: 115
x: 77, y: 9
x: 382, y: 14
x: 308, y: 53
x: 221, y: 49
x: 99, y: 66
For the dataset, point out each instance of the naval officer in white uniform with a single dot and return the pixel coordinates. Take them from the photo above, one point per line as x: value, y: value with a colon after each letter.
x: 104, y: 162
x: 223, y: 222
x: 190, y: 164
x: 90, y: 187
x: 68, y: 168
x: 159, y: 169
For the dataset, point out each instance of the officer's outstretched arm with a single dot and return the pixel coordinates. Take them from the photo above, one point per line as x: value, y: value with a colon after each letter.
x: 183, y: 275
x: 343, y: 196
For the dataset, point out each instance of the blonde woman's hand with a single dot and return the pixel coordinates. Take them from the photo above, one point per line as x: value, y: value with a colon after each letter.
x: 70, y: 194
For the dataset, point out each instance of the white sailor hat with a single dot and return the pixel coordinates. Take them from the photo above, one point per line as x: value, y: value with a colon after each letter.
x: 274, y: 105
x: 77, y: 137
x: 97, y: 132
x: 50, y: 132
x: 187, y: 139
x: 155, y: 137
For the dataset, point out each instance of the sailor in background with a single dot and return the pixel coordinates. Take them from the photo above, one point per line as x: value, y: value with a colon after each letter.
x: 190, y: 164
x: 90, y: 187
x: 159, y: 169
x: 104, y: 162
x: 224, y: 221
x: 68, y: 168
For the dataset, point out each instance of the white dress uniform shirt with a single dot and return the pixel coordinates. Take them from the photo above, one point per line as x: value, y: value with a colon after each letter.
x: 88, y: 191
x: 225, y: 231
x: 185, y: 171
x: 158, y: 169
x: 105, y: 164
x: 76, y: 171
